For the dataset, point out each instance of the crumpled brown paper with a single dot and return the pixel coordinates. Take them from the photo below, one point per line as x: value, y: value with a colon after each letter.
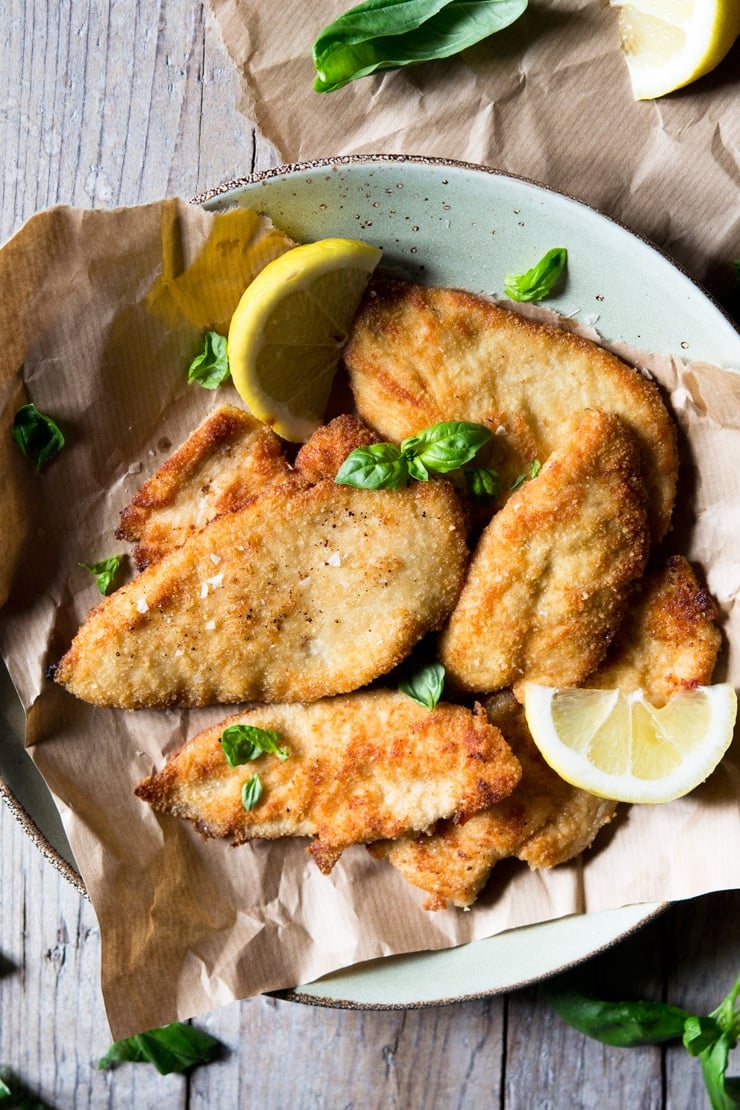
x: 100, y: 312
x: 547, y: 98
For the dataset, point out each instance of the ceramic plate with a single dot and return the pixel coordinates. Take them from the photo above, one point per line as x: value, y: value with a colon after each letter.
x: 445, y: 223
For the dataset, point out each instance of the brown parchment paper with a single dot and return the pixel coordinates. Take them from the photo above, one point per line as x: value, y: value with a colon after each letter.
x: 100, y: 312
x: 547, y: 98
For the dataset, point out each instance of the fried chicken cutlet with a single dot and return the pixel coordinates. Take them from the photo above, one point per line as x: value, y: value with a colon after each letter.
x: 551, y: 574
x: 297, y: 595
x: 231, y: 456
x: 668, y: 641
x: 229, y: 459
x: 416, y: 356
x: 360, y: 767
x: 544, y: 822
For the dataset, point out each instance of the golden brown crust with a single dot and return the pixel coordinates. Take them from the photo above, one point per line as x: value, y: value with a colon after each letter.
x: 226, y: 460
x: 361, y: 767
x: 669, y: 640
x: 417, y: 356
x: 550, y: 577
x: 544, y: 822
x: 296, y: 596
x: 328, y: 447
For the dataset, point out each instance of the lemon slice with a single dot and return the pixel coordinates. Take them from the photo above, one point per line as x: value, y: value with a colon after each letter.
x: 288, y: 330
x: 670, y: 43
x: 617, y: 745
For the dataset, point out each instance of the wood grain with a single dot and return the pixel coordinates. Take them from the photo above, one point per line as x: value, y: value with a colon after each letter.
x: 118, y: 103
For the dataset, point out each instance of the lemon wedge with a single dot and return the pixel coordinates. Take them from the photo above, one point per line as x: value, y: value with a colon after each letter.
x: 288, y: 330
x: 670, y: 43
x: 618, y: 746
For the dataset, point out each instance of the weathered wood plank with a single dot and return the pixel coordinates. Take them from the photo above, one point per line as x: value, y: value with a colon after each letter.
x: 53, y: 1029
x: 448, y: 1056
x: 704, y: 966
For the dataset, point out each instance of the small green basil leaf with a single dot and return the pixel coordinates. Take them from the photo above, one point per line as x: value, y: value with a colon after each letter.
x: 211, y: 367
x: 482, y: 482
x: 726, y: 1016
x: 615, y: 1023
x: 4, y: 1088
x: 446, y: 446
x: 699, y: 1034
x: 722, y: 1091
x: 426, y: 686
x: 539, y: 281
x: 379, y: 466
x: 173, y: 1048
x: 251, y: 792
x: 243, y: 743
x: 105, y: 571
x: 534, y: 469
x: 387, y: 34
x: 417, y: 469
x: 37, y: 435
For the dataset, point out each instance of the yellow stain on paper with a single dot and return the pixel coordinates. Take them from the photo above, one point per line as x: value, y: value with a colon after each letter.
x: 205, y: 273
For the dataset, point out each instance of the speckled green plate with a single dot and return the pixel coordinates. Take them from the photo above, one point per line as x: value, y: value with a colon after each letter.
x: 447, y: 223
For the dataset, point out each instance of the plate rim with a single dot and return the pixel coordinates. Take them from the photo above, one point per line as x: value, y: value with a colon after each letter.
x: 341, y: 162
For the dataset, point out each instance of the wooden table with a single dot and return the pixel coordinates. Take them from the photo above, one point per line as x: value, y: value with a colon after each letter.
x: 124, y: 102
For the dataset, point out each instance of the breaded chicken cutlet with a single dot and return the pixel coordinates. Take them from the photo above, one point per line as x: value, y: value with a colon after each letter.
x: 296, y: 596
x: 551, y: 575
x: 544, y: 822
x: 418, y: 355
x: 668, y: 641
x: 229, y: 459
x: 359, y: 767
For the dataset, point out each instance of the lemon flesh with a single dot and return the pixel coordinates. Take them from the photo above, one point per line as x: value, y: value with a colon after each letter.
x: 288, y: 330
x: 667, y: 44
x: 618, y: 746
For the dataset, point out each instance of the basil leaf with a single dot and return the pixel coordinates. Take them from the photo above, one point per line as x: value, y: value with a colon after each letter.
x: 4, y: 1088
x: 211, y: 367
x: 173, y: 1048
x: 615, y: 1023
x: 379, y: 466
x: 426, y: 686
x: 105, y: 571
x: 37, y: 435
x: 243, y: 743
x: 723, y: 1094
x: 388, y: 34
x: 251, y: 792
x: 443, y: 447
x: 534, y: 469
x: 482, y: 482
x: 699, y: 1034
x: 539, y: 281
